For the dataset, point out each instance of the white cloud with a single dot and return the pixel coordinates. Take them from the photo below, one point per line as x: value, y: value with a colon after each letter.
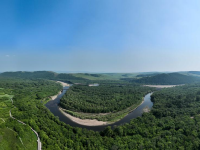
x: 7, y: 55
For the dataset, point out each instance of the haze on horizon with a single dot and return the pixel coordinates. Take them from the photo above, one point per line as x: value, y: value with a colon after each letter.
x: 99, y: 36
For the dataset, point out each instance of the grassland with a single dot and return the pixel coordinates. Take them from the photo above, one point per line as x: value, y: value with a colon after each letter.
x: 13, y: 135
x: 105, y: 76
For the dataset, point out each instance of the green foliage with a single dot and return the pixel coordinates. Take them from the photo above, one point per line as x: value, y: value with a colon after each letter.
x: 103, y: 98
x: 168, y: 126
x: 166, y: 79
x: 177, y: 101
x: 9, y: 139
x: 81, y: 78
x: 69, y: 78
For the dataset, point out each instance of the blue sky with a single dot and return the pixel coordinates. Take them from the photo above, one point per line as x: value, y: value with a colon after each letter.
x: 99, y: 35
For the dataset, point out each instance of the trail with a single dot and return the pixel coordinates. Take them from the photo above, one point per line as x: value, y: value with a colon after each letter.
x: 38, y: 138
x: 2, y: 119
x: 19, y: 137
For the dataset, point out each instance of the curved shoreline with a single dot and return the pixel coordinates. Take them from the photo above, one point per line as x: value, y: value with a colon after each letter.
x: 63, y: 85
x: 86, y: 122
x: 55, y: 96
x: 92, y: 122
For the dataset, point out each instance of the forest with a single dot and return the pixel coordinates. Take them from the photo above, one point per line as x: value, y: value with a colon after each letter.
x: 173, y: 122
x: 106, y: 102
x: 103, y: 98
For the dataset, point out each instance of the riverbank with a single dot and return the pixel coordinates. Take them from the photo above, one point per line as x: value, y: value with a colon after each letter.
x: 55, y: 96
x: 86, y: 122
x: 134, y: 112
x: 90, y: 119
x: 162, y: 86
x: 63, y: 83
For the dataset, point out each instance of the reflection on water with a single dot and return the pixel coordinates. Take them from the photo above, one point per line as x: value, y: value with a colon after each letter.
x: 53, y: 107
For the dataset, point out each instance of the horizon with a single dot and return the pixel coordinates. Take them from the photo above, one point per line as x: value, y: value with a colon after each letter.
x: 89, y: 72
x: 127, y: 36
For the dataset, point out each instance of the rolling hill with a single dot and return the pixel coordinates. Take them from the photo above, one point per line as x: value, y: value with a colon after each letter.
x: 166, y: 79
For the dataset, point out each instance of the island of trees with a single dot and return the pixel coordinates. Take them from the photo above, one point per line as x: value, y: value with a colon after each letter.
x: 112, y: 100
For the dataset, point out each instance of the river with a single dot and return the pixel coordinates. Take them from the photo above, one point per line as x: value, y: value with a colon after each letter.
x: 53, y: 107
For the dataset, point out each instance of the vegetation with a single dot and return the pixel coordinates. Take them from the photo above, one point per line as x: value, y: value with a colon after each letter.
x: 102, y: 99
x: 112, y: 101
x: 177, y: 101
x: 69, y: 78
x: 166, y: 79
x: 105, y: 76
x: 108, y: 117
x: 83, y: 78
x: 147, y: 74
x: 194, y: 72
x: 173, y: 123
x: 13, y: 135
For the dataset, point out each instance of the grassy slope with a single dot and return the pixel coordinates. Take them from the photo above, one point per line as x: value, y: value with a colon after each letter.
x: 9, y: 139
x: 106, y: 76
x: 167, y: 79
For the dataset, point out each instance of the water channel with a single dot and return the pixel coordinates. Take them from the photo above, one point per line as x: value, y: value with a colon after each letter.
x: 53, y: 107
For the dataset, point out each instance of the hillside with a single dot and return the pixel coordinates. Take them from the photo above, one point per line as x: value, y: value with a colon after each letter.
x: 194, y: 73
x: 69, y: 78
x: 166, y: 79
x: 82, y: 78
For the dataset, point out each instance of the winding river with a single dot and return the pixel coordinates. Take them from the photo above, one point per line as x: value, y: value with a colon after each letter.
x: 53, y: 107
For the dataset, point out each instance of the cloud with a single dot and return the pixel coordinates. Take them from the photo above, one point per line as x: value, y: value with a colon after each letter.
x: 7, y: 55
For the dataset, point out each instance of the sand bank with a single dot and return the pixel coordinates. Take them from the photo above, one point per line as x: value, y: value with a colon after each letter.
x: 162, y: 86
x: 63, y: 83
x: 55, y: 96
x: 86, y: 122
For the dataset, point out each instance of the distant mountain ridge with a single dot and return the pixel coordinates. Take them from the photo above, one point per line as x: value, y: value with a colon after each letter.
x: 167, y: 79
x: 44, y: 75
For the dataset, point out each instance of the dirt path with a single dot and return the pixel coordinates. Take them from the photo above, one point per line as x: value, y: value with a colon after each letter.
x: 38, y: 139
x: 2, y: 119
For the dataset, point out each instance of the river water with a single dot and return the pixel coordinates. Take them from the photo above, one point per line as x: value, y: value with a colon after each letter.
x: 53, y: 107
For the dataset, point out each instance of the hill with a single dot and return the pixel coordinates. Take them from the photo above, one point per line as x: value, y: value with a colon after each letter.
x: 166, y: 79
x: 69, y: 78
x: 194, y: 73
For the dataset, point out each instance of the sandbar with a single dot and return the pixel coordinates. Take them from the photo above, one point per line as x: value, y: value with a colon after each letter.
x: 63, y: 83
x: 162, y: 86
x: 86, y: 122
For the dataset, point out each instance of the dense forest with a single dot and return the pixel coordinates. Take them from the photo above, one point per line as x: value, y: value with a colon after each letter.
x: 165, y: 79
x: 103, y: 98
x: 173, y: 122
